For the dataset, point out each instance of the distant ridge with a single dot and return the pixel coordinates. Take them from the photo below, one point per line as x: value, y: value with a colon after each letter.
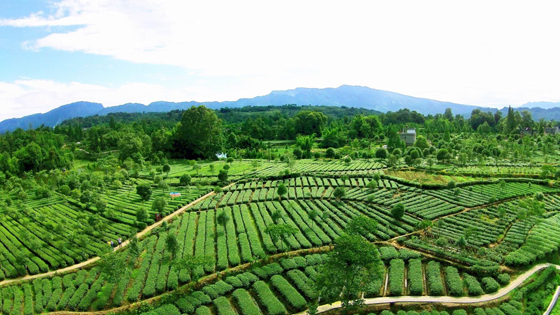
x: 53, y: 117
x: 345, y: 95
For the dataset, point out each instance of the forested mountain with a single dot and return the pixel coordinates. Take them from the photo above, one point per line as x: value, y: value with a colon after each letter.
x: 348, y: 96
x: 343, y: 96
x: 53, y: 117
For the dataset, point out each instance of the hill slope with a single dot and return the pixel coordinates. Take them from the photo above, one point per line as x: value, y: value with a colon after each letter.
x: 345, y: 95
x: 53, y: 117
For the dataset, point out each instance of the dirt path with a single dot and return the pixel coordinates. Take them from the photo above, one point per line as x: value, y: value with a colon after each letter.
x: 123, y: 245
x: 445, y: 299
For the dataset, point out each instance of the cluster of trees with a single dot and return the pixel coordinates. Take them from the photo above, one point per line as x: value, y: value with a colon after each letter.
x: 200, y: 133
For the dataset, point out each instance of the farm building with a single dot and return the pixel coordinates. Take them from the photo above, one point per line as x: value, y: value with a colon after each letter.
x: 408, y: 135
x: 551, y: 130
x: 528, y: 131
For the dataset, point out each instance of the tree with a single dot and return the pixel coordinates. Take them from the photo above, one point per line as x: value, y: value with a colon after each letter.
x: 424, y: 225
x: 223, y: 176
x: 129, y: 145
x: 278, y: 232
x: 372, y: 184
x: 306, y: 143
x: 501, y: 212
x: 312, y: 214
x: 144, y: 191
x: 276, y: 216
x: 171, y: 244
x: 166, y: 169
x: 222, y: 219
x: 330, y: 153
x: 361, y: 225
x: 309, y: 122
x: 185, y: 180
x: 101, y: 205
x: 190, y: 263
x: 381, y: 153
x: 159, y: 205
x: 199, y: 134
x: 441, y: 154
x: 281, y: 190
x: 339, y: 192
x: 348, y: 268
x: 470, y: 232
x: 113, y: 266
x: 421, y: 142
x: 398, y: 211
x: 141, y: 214
x: 133, y: 248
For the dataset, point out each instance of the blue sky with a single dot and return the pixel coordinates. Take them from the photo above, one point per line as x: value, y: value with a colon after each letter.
x: 53, y: 52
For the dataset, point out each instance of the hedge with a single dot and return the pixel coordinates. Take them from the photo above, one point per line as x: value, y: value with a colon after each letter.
x: 78, y: 295
x: 246, y: 303
x: 396, y: 277
x: 223, y: 307
x: 473, y: 286
x: 479, y: 311
x: 203, y: 310
x: 453, y: 281
x: 53, y: 302
x: 504, y: 278
x: 388, y: 253
x: 303, y: 283
x: 66, y: 296
x: 490, y: 285
x: 433, y: 275
x: 415, y: 278
x: 268, y: 300
x: 294, y: 298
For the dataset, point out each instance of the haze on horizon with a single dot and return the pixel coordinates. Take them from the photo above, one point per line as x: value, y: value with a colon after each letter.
x: 113, y: 52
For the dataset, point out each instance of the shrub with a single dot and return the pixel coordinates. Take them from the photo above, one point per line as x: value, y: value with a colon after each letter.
x: 435, y: 284
x: 245, y: 302
x: 203, y: 310
x: 504, y: 278
x: 388, y: 253
x: 396, y: 277
x: 415, y: 278
x: 288, y: 292
x: 268, y: 300
x: 223, y: 306
x: 234, y: 281
x: 55, y: 297
x: 303, y: 283
x: 473, y: 286
x: 490, y: 285
x: 453, y: 281
x: 184, y: 305
x: 78, y: 295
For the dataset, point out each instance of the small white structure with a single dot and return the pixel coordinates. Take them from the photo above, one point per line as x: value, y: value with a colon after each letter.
x: 221, y: 155
x: 408, y: 135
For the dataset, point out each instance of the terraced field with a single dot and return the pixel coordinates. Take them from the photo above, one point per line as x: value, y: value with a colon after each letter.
x: 59, y: 231
x: 310, y: 206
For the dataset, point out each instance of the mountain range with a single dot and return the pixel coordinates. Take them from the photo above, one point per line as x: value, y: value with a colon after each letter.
x: 345, y: 95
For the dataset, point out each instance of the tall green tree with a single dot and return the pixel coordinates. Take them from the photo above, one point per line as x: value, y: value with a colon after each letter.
x: 199, y: 134
x: 349, y: 267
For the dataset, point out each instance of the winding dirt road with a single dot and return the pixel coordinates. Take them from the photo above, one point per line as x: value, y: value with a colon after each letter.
x: 123, y: 245
x: 444, y: 299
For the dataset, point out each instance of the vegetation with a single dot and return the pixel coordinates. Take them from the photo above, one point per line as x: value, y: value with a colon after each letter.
x: 312, y: 205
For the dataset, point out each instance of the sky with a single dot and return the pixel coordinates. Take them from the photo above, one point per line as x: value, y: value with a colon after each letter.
x: 489, y: 53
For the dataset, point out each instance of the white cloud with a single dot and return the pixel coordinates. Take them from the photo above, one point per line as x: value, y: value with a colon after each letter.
x: 474, y: 52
